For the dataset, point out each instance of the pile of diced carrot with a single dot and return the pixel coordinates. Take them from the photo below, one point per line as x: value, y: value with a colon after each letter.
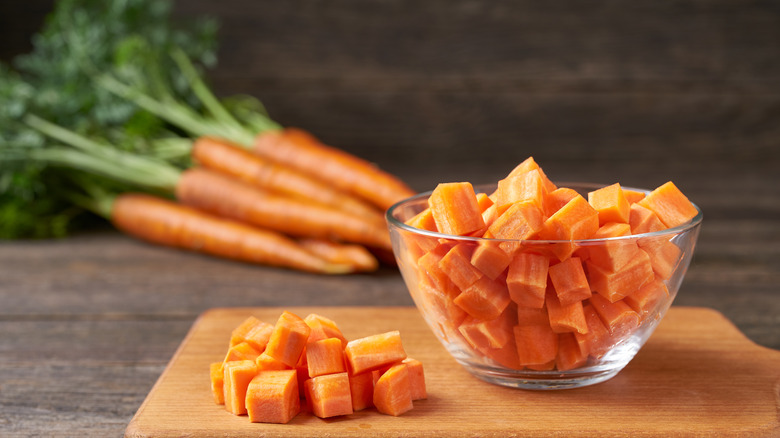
x: 270, y: 368
x: 544, y: 305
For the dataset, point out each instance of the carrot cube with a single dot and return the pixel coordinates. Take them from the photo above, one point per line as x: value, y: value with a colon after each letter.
x: 323, y: 328
x: 236, y: 378
x: 361, y: 388
x: 238, y: 335
x: 566, y: 318
x: 217, y: 382
x: 525, y: 187
x: 663, y: 254
x: 457, y: 265
x: 569, y: 280
x: 288, y: 339
x: 265, y: 362
x: 536, y: 344
x: 505, y: 356
x: 597, y: 340
x: 494, y: 333
x: 325, y: 356
x: 393, y: 392
x: 522, y: 220
x: 423, y: 220
x: 633, y: 196
x: 329, y: 395
x: 532, y: 316
x: 610, y: 203
x: 557, y: 199
x: 569, y: 354
x: 670, y: 205
x: 374, y: 352
x: 242, y: 351
x: 643, y: 220
x: 273, y: 397
x: 527, y: 279
x: 259, y: 335
x: 646, y: 300
x: 616, y: 285
x: 429, y: 264
x: 530, y: 164
x: 574, y: 221
x: 455, y: 209
x: 416, y: 378
x: 611, y: 254
x: 617, y: 317
x: 483, y: 201
x: 485, y: 299
x: 490, y: 259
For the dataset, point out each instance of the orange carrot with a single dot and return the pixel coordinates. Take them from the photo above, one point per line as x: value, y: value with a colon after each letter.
x: 490, y: 259
x: 566, y: 318
x: 288, y: 339
x: 456, y: 264
x: 617, y: 284
x: 373, y: 352
x: 329, y: 395
x: 273, y: 397
x: 237, y: 375
x: 455, y: 209
x: 611, y: 254
x: 633, y: 196
x: 217, y: 382
x: 416, y: 378
x: 569, y: 280
x: 557, y: 199
x: 532, y: 316
x: 525, y: 187
x: 484, y: 299
x: 663, y: 254
x: 527, y: 279
x: 429, y: 265
x: 618, y: 317
x: 530, y: 164
x: 264, y: 362
x: 569, y: 354
x: 259, y: 335
x: 522, y: 220
x: 536, y: 344
x: 361, y: 388
x: 597, y: 340
x: 166, y: 223
x: 242, y: 351
x: 228, y: 197
x: 610, y: 203
x: 643, y: 220
x: 480, y: 333
x: 356, y: 256
x: 646, y: 300
x: 323, y: 328
x: 393, y: 392
x: 670, y: 205
x: 575, y: 220
x: 325, y: 356
x: 300, y: 150
x: 238, y: 335
x: 232, y: 159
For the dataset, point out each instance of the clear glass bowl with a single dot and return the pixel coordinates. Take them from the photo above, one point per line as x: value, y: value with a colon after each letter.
x: 488, y: 348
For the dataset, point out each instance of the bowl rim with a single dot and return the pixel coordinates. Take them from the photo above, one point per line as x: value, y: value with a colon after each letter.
x: 480, y: 188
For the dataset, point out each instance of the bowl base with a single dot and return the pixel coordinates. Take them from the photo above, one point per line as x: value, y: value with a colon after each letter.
x: 541, y: 380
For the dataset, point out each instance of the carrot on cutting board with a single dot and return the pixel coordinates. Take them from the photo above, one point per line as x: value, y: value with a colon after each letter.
x: 393, y: 392
x: 232, y: 159
x: 302, y: 151
x: 288, y: 339
x: 374, y: 352
x: 273, y: 397
x: 166, y: 223
x: 225, y: 196
x: 325, y: 356
x: 361, y: 388
x: 329, y: 395
x: 217, y: 374
x: 236, y: 378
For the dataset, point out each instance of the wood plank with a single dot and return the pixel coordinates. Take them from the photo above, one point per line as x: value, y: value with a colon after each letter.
x: 696, y: 375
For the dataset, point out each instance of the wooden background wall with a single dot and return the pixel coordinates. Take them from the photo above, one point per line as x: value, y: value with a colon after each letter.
x: 441, y: 86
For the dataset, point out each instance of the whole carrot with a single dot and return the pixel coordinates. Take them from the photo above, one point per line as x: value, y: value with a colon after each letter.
x: 166, y: 223
x: 235, y: 160
x: 302, y: 151
x: 225, y: 196
x: 356, y: 255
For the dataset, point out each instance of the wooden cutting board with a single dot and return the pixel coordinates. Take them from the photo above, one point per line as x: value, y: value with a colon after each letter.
x: 697, y: 375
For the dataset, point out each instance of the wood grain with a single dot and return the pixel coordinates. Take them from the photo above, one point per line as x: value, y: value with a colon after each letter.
x: 697, y: 375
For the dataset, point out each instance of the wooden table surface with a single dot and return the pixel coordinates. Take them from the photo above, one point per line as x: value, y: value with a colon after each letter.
x: 639, y: 93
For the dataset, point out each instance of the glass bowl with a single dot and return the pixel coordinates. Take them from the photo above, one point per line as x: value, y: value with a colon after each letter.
x: 626, y: 302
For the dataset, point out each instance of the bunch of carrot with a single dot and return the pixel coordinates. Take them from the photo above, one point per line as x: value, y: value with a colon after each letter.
x: 269, y: 368
x: 552, y: 304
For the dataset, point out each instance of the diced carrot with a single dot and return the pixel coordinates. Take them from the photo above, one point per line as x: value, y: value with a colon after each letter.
x: 455, y: 209
x: 536, y: 344
x: 484, y: 299
x: 505, y: 356
x: 217, y: 382
x: 494, y: 333
x: 633, y: 196
x: 273, y: 397
x: 574, y: 221
x: 265, y: 362
x: 616, y: 285
x: 670, y: 205
x: 288, y: 339
x: 490, y: 259
x: 325, y: 356
x: 522, y: 220
x: 610, y: 203
x: 618, y: 317
x: 259, y: 335
x: 302, y: 372
x: 530, y: 164
x: 483, y: 201
x: 423, y: 220
x: 525, y: 187
x: 373, y: 352
x: 457, y: 265
x: 611, y: 254
x: 242, y: 351
x: 645, y: 301
x: 237, y: 375
x: 596, y: 341
x: 490, y: 215
x: 329, y: 395
x: 429, y: 264
x: 569, y: 280
x: 664, y: 254
x: 416, y: 378
x: 643, y: 220
x: 392, y: 391
x: 532, y: 316
x: 361, y: 388
x: 566, y: 318
x: 323, y: 328
x: 569, y: 354
x: 527, y: 279
x: 446, y: 315
x: 557, y: 199
x: 238, y: 335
